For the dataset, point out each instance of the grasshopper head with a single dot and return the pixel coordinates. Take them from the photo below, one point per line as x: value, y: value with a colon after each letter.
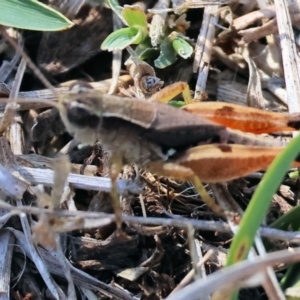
x: 81, y: 112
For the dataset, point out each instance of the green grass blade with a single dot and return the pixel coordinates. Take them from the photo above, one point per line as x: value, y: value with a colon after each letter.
x: 290, y: 219
x: 257, y: 208
x: 31, y: 14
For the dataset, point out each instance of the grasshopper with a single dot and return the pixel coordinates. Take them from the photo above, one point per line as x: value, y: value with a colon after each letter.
x: 162, y: 139
x: 165, y: 140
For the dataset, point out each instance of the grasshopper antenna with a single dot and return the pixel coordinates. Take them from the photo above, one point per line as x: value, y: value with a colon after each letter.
x: 28, y: 60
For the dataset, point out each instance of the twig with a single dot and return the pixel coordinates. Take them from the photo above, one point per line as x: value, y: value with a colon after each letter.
x: 204, y: 47
x: 189, y: 276
x: 236, y: 273
x: 289, y: 55
x: 45, y: 177
x: 16, y: 133
x: 218, y: 226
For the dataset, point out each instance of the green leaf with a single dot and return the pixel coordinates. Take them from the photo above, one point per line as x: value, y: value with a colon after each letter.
x: 135, y: 17
x: 121, y: 39
x: 182, y: 47
x: 167, y: 55
x: 32, y: 15
x: 289, y: 220
x: 147, y: 53
x: 294, y: 174
x: 177, y: 103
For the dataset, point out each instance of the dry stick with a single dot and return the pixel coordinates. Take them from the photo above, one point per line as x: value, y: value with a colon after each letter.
x: 273, y: 48
x: 193, y: 252
x: 204, y: 47
x: 40, y: 98
x: 289, y: 56
x: 45, y: 176
x: 254, y: 92
x: 117, y: 58
x: 270, y: 282
x: 237, y: 273
x: 16, y: 132
x: 189, y: 276
x: 218, y: 226
x: 7, y: 248
x: 10, y: 111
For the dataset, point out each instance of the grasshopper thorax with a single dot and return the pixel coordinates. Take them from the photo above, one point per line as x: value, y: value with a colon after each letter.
x: 81, y: 112
x: 82, y: 106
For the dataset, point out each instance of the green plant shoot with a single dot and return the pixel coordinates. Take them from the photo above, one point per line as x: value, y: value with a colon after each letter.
x: 135, y: 34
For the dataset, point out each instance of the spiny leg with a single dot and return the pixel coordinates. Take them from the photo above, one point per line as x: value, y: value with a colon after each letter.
x: 115, y: 168
x: 172, y: 90
x: 186, y: 174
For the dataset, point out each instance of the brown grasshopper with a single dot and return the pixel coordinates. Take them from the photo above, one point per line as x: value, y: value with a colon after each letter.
x: 164, y: 140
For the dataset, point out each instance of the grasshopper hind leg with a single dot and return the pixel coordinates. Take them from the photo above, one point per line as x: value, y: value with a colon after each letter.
x: 182, y: 173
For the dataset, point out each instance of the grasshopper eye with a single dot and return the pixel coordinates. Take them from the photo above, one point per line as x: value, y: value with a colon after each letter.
x: 80, y: 116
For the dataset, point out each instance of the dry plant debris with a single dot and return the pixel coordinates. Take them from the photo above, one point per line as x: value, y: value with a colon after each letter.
x: 58, y: 236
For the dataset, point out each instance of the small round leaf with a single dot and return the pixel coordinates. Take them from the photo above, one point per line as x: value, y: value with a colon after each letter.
x: 182, y: 47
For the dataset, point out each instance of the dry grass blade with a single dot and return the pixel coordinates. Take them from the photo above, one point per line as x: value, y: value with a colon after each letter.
x: 66, y: 266
x: 270, y: 283
x: 62, y: 168
x: 93, y: 220
x: 42, y: 176
x: 237, y: 274
x: 10, y: 185
x: 6, y: 249
x: 189, y: 277
x: 254, y: 93
x: 204, y: 47
x: 79, y: 277
x: 38, y: 261
x: 43, y: 162
x: 117, y: 59
x: 289, y: 55
x: 16, y: 137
